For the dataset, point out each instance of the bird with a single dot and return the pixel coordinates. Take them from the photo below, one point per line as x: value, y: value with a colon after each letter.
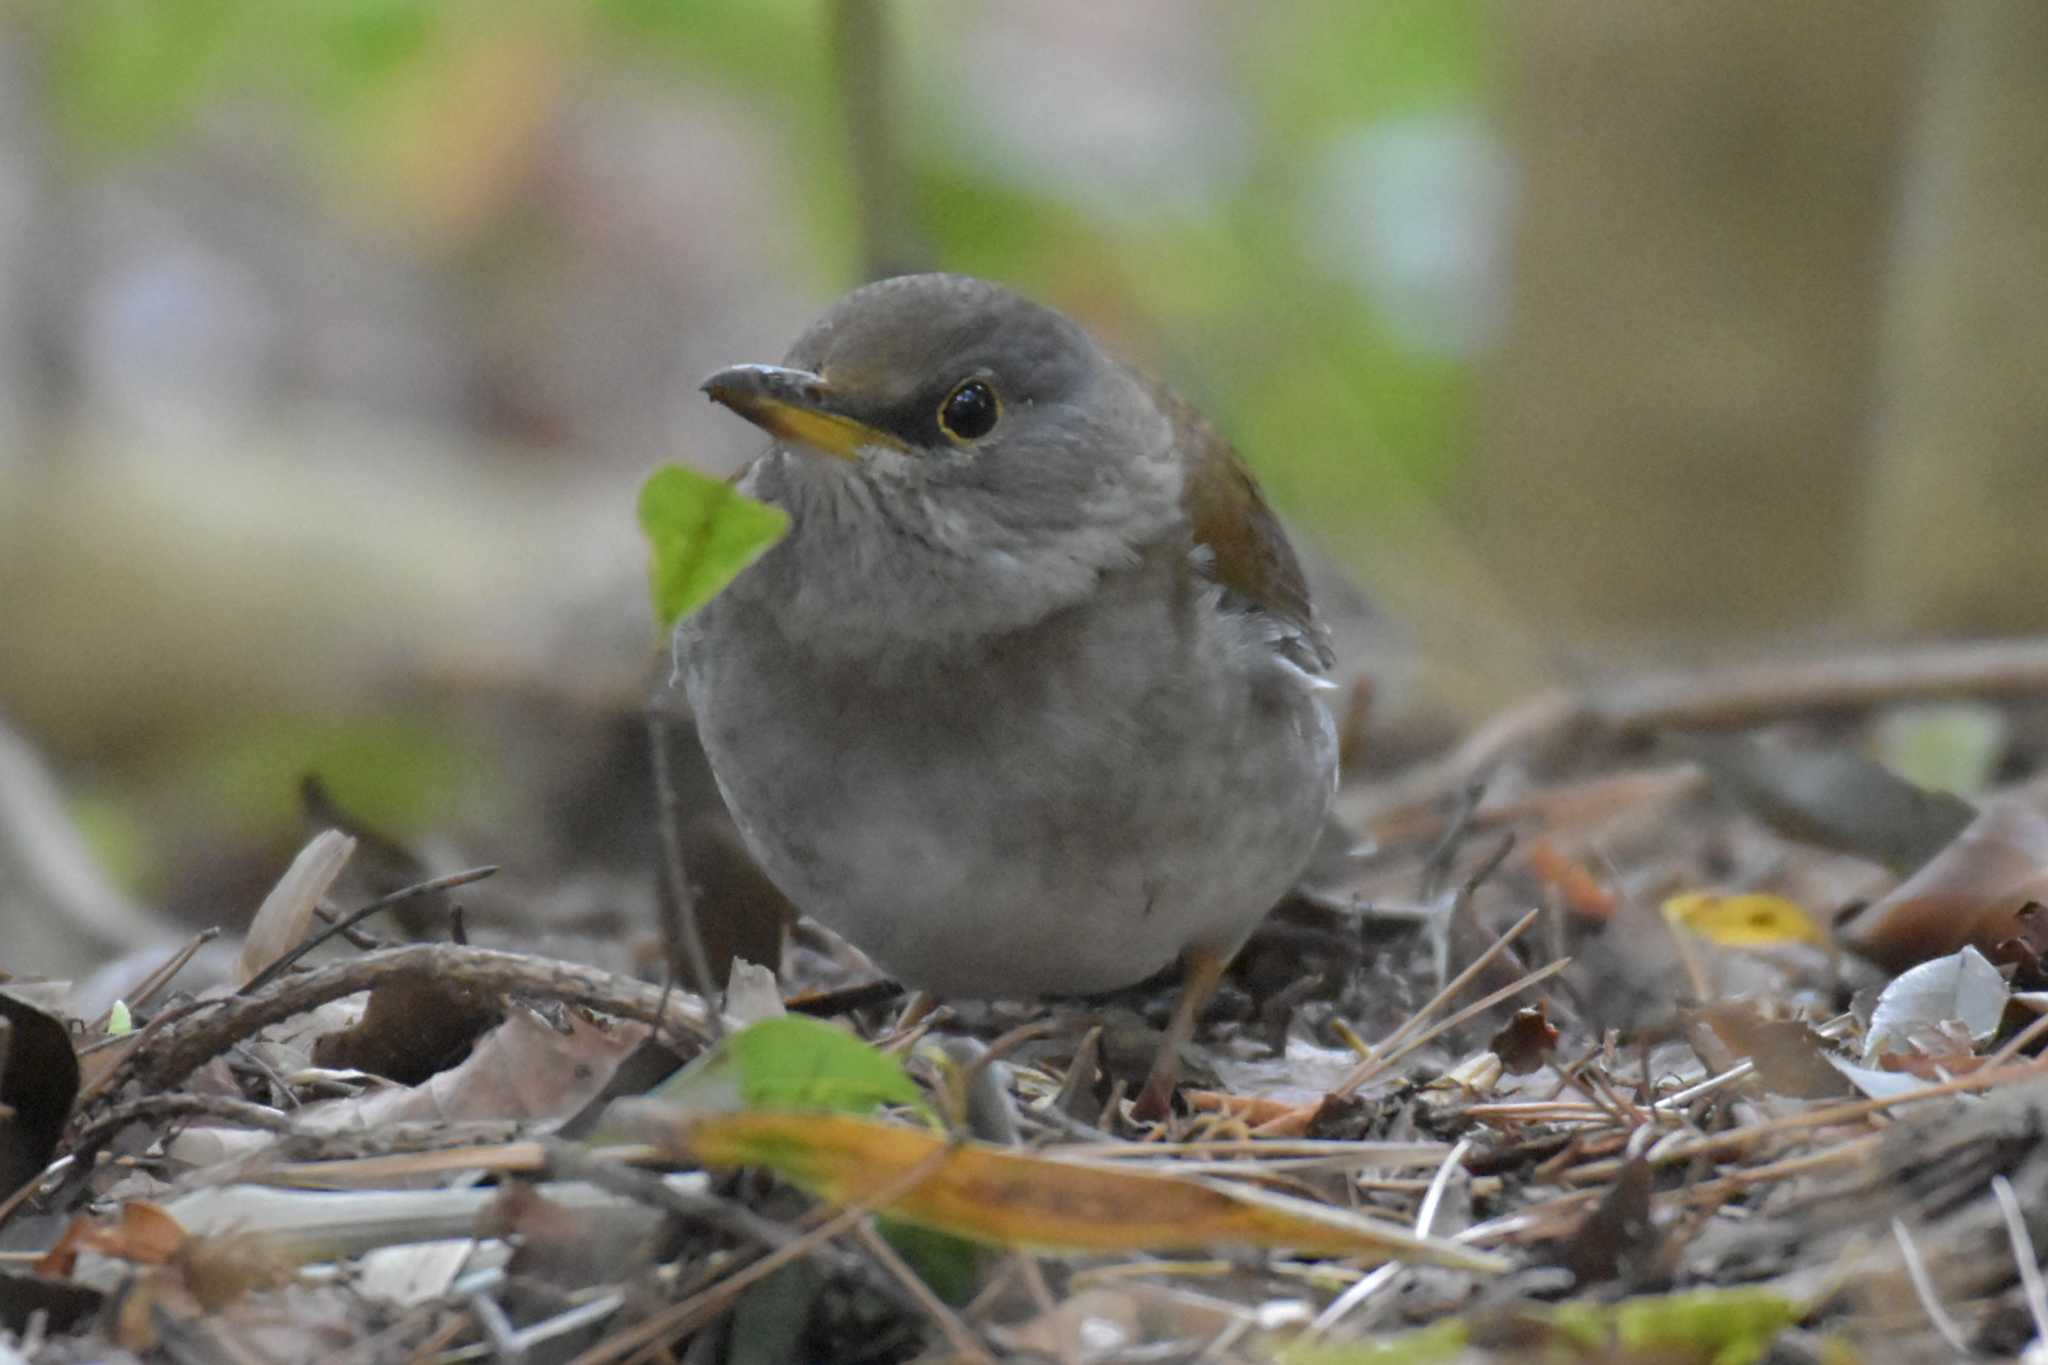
x: 1027, y: 700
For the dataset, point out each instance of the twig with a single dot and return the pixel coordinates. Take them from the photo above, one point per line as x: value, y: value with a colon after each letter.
x: 1516, y: 987
x: 146, y: 990
x: 1455, y: 984
x: 1724, y: 699
x: 572, y: 1161
x: 361, y: 913
x: 1716, y: 1144
x: 1923, y: 1285
x: 965, y: 1344
x: 1376, y: 1063
x: 681, y: 921
x: 2012, y: 1045
x: 863, y: 68
x: 175, y: 1106
x: 2023, y: 1253
x: 705, y: 1305
x: 1348, y: 1302
x: 217, y: 1025
x: 1750, y: 695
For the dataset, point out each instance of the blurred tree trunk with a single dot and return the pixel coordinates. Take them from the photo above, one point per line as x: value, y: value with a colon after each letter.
x: 1957, y: 533
x: 1669, y: 444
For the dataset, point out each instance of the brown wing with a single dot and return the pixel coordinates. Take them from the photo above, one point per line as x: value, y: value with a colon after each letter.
x: 1248, y: 553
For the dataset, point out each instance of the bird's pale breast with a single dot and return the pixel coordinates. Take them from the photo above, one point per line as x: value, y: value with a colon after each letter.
x: 1062, y: 809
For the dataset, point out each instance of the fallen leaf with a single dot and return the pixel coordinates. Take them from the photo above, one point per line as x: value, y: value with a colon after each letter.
x: 1973, y: 891
x: 1963, y: 986
x: 1952, y: 746
x: 1750, y: 920
x: 282, y: 921
x: 1580, y: 889
x: 1711, y: 1326
x: 523, y: 1069
x: 141, y: 1232
x: 1021, y: 1199
x: 1836, y: 798
x: 1876, y: 1082
x: 411, y: 1029
x: 38, y: 1085
x: 1789, y: 1057
x: 1617, y: 1239
x: 1527, y: 1041
x: 791, y: 1062
x: 1691, y: 1327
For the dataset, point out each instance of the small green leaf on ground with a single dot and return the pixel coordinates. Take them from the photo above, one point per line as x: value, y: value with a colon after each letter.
x: 703, y: 532
x: 793, y: 1063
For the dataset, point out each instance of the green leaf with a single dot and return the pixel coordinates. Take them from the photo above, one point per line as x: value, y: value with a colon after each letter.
x: 1442, y: 1341
x: 793, y: 1063
x: 1710, y: 1326
x: 951, y: 1265
x: 703, y: 532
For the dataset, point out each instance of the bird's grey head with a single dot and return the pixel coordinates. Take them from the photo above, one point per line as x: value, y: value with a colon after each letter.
x: 955, y: 458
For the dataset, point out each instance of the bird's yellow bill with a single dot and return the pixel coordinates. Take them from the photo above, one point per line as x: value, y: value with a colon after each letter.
x: 795, y: 406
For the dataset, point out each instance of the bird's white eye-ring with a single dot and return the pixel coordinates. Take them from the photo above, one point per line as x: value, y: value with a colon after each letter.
x: 970, y: 410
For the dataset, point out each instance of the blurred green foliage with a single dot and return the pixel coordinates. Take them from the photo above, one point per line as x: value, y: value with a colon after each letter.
x: 397, y: 773
x: 1325, y: 398
x: 384, y: 105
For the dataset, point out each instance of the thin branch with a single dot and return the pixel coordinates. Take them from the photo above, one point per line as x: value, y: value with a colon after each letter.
x: 1923, y: 1285
x: 1756, y: 693
x: 966, y: 1345
x: 863, y: 80
x: 681, y: 921
x: 217, y: 1025
x: 358, y: 915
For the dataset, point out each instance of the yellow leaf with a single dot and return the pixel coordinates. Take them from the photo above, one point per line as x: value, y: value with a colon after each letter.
x: 1022, y: 1199
x: 1743, y: 921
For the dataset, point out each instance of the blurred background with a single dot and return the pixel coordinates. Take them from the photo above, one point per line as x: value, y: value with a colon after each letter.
x: 336, y: 337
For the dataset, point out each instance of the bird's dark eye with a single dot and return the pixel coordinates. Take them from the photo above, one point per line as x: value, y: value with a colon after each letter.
x: 970, y: 411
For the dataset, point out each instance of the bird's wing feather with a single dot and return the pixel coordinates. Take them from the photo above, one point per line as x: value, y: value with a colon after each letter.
x: 1239, y: 542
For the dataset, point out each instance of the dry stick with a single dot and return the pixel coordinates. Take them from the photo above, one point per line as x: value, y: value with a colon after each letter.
x: 571, y: 1161
x: 90, y: 1139
x: 1538, y: 1221
x: 2018, y: 1041
x: 358, y: 915
x: 146, y: 990
x: 1451, y: 988
x: 1368, y: 1285
x: 193, y: 1040
x: 683, y: 917
x: 453, y: 1326
x: 363, y: 941
x: 1363, y: 1153
x: 1371, y: 1070
x: 1713, y: 1144
x: 863, y: 85
x: 129, y: 1046
x: 1848, y: 1153
x: 965, y: 1344
x: 1748, y: 695
x: 1041, y: 1298
x: 1923, y: 1285
x: 706, y: 1304
x: 1759, y: 692
x: 1625, y: 1109
x: 2023, y: 1254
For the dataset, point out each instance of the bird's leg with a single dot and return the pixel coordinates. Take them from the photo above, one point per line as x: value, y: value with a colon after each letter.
x: 918, y: 1008
x: 920, y: 1004
x: 1201, y: 973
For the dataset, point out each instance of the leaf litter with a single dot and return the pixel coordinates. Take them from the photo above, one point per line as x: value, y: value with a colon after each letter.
x: 1598, y: 1053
